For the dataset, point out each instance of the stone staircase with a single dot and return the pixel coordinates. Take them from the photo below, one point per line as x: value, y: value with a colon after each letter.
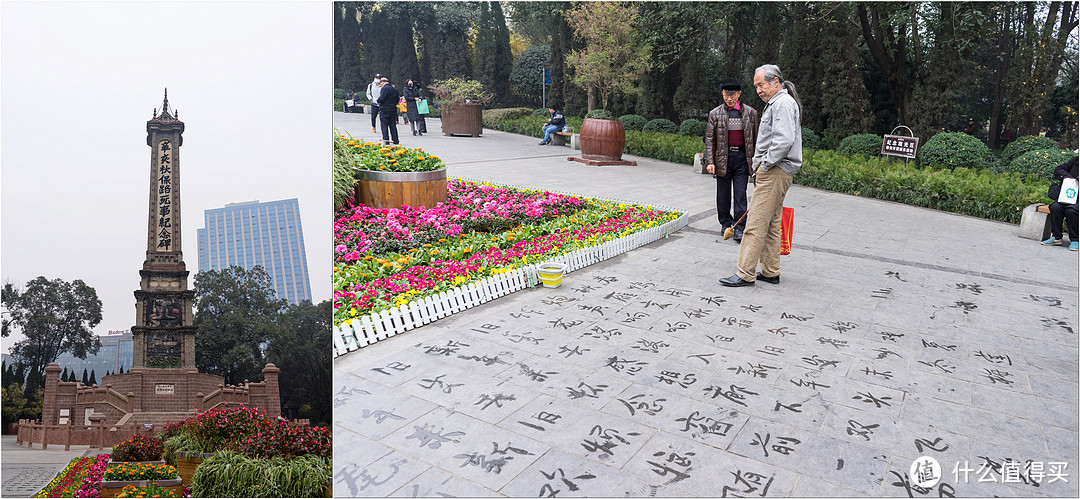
x: 159, y: 419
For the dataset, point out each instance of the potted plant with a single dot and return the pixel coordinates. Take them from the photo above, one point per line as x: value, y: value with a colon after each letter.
x: 460, y: 102
x: 612, y: 61
x: 382, y: 176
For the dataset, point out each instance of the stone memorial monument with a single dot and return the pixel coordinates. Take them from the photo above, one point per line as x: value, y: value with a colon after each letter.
x: 164, y: 384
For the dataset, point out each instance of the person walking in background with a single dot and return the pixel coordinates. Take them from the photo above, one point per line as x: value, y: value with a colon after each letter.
x: 413, y: 95
x: 1061, y: 211
x: 373, y: 90
x: 729, y: 139
x: 553, y: 124
x: 388, y: 112
x: 777, y: 157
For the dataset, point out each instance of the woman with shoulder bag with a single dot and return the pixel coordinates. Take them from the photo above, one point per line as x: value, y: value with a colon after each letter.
x: 1062, y: 209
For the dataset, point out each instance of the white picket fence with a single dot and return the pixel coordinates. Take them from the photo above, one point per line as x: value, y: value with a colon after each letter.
x: 376, y: 326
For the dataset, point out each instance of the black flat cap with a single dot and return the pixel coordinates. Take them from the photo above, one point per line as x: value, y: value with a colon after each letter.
x: 731, y: 85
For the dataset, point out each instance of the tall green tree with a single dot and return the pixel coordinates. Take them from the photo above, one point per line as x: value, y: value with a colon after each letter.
x: 236, y: 314
x: 845, y: 103
x: 1037, y: 61
x: 348, y: 51
x: 403, y: 62
x: 93, y: 378
x: 55, y: 317
x: 85, y: 377
x: 614, y: 57
x: 492, y: 57
x: 526, y: 76
x: 800, y: 60
x: 299, y: 348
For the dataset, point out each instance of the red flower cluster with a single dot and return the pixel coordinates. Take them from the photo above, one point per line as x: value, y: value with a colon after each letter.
x: 141, y: 447
x: 251, y: 432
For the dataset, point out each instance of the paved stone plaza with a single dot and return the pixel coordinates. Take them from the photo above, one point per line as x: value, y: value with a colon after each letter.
x: 896, y: 332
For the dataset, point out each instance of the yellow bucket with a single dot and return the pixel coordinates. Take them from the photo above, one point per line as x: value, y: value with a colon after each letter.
x: 551, y: 274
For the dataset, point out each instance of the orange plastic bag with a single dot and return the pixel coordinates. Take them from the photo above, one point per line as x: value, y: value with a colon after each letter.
x: 787, y: 226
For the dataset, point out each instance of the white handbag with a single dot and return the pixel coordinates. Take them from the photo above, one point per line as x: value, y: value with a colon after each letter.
x: 1069, y: 188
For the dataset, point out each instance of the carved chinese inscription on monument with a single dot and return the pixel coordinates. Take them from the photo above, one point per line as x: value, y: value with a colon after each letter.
x: 165, y: 312
x: 163, y: 345
x: 164, y: 189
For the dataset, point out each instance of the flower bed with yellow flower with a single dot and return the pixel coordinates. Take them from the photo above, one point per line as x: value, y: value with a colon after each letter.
x: 389, y: 257
x: 139, y: 471
x: 393, y: 158
x: 151, y: 490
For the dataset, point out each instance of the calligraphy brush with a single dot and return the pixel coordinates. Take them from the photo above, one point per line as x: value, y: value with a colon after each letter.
x: 730, y: 231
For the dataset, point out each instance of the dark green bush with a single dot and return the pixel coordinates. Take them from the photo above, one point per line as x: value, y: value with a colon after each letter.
x: 492, y: 117
x: 692, y: 127
x: 867, y: 144
x: 1024, y: 144
x: 339, y: 104
x: 664, y: 146
x: 1040, y: 163
x: 541, y: 112
x: 660, y: 125
x: 340, y: 93
x: 600, y: 114
x: 968, y: 191
x: 810, y: 139
x: 954, y: 150
x: 632, y: 122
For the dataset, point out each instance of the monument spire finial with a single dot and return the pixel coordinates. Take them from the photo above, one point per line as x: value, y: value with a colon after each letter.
x: 165, y: 104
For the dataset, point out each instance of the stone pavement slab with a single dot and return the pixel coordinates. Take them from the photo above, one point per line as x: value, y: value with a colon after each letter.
x: 896, y: 332
x: 24, y: 471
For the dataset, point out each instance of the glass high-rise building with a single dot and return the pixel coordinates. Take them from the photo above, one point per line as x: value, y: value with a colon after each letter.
x: 253, y: 233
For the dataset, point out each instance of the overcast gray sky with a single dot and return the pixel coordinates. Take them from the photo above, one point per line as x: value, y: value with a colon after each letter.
x: 79, y: 80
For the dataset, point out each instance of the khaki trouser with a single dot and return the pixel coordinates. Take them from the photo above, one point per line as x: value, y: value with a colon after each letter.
x: 761, y: 238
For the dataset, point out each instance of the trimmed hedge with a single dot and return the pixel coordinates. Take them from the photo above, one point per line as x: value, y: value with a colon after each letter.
x: 540, y: 112
x: 664, y: 146
x: 660, y: 125
x: 692, y: 127
x: 492, y: 117
x: 976, y: 192
x: 867, y: 144
x: 633, y: 122
x: 1025, y: 144
x: 1040, y: 163
x: 810, y: 139
x: 600, y: 114
x: 953, y: 150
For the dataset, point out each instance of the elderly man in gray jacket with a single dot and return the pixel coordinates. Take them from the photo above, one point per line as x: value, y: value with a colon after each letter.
x: 777, y: 157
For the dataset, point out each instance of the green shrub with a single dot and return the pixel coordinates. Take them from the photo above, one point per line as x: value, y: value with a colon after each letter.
x: 632, y: 122
x: 660, y: 125
x: 492, y: 117
x: 541, y: 112
x: 976, y: 192
x: 810, y: 139
x: 344, y: 179
x: 692, y: 127
x: 954, y: 150
x: 867, y: 144
x: 1024, y: 144
x: 600, y: 114
x: 340, y: 93
x: 1040, y: 163
x: 339, y: 104
x: 228, y: 474
x: 664, y: 146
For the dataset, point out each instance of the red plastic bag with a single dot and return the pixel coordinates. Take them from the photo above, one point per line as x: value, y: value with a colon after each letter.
x: 787, y: 226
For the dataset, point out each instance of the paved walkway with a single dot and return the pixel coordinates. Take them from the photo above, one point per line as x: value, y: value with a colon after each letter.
x: 25, y: 471
x: 896, y: 332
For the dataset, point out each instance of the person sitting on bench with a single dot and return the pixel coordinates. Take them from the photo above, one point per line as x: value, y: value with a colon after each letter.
x: 553, y: 124
x: 1060, y: 211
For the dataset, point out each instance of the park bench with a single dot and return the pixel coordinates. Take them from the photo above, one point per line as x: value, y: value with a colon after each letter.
x: 561, y: 137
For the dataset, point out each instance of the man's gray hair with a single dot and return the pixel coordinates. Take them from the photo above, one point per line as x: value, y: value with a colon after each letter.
x: 772, y: 71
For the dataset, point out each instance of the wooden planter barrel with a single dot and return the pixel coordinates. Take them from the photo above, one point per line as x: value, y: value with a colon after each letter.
x: 602, y: 143
x: 378, y: 189
x: 602, y: 140
x: 112, y: 488
x: 186, y: 464
x: 462, y: 119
